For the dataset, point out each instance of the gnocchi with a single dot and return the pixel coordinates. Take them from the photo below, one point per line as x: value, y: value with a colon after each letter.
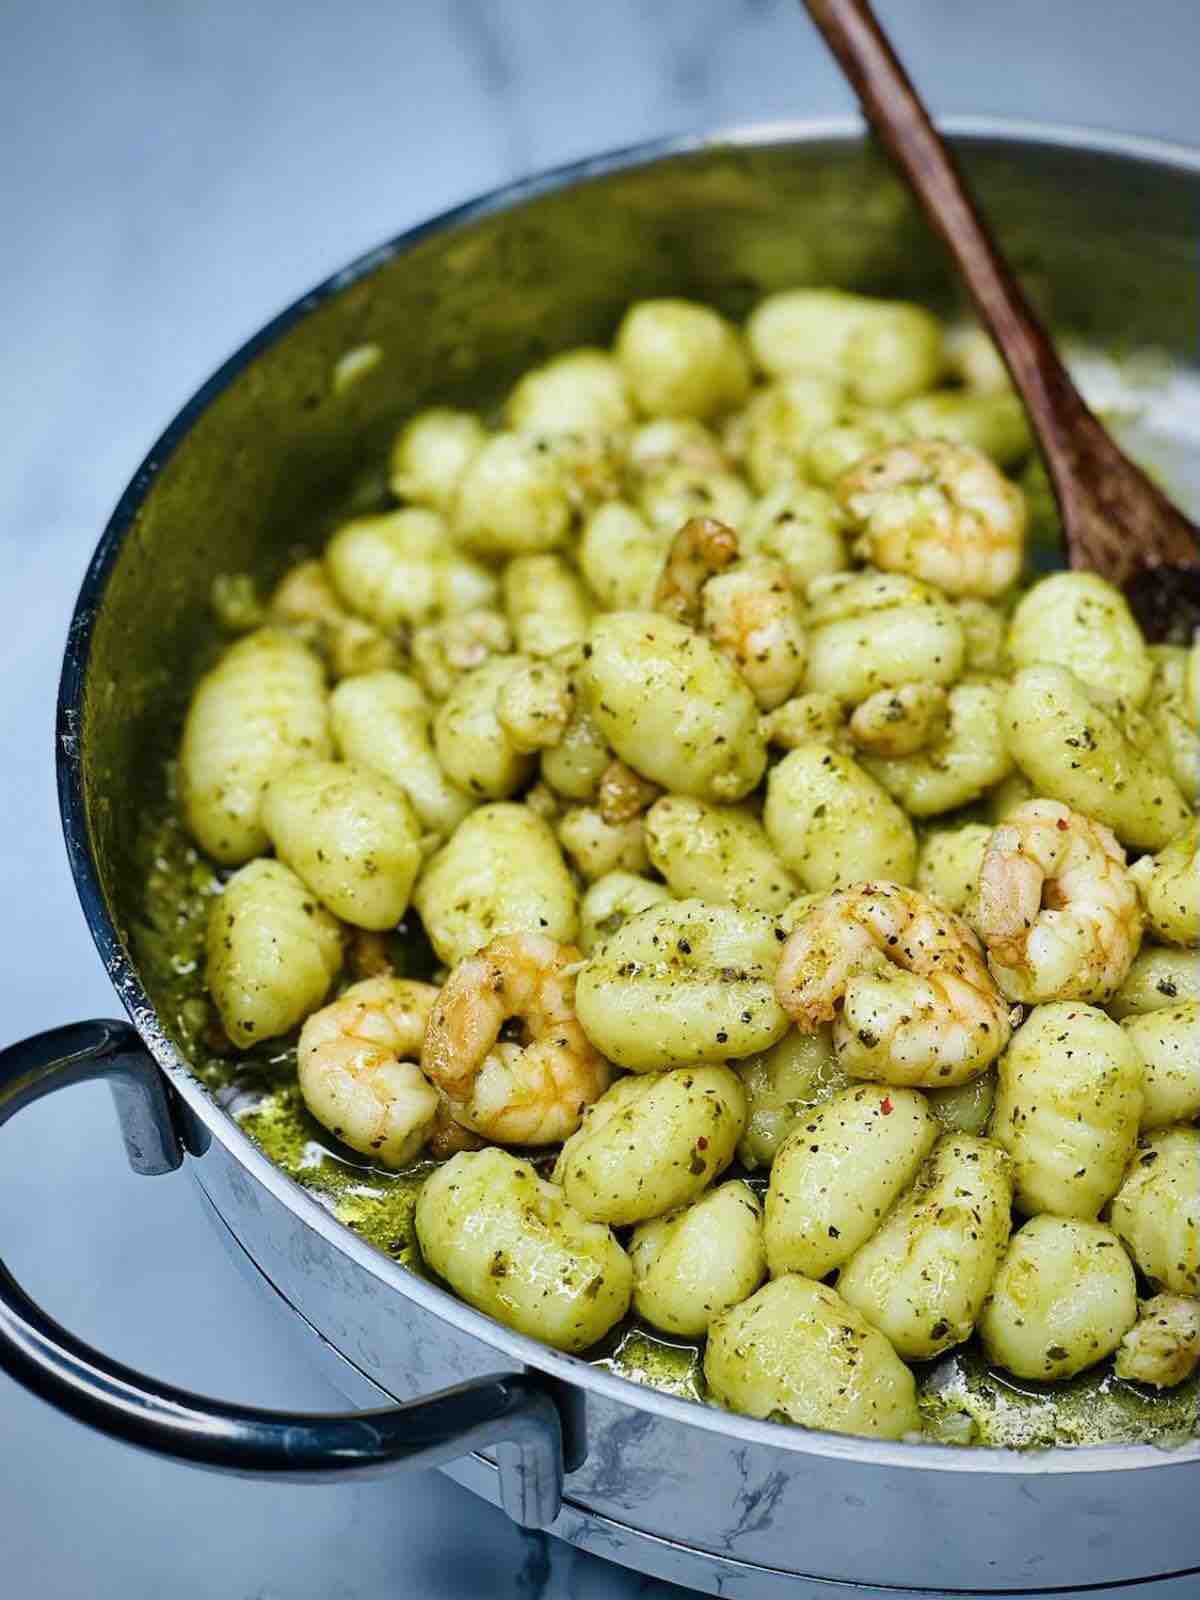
x: 839, y: 1172
x: 687, y: 770
x: 510, y: 1244
x: 653, y: 1143
x: 797, y: 1350
x: 1068, y: 1105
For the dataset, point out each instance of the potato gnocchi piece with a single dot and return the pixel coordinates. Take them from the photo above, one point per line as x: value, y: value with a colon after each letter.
x: 923, y: 1277
x: 272, y: 952
x: 691, y: 1265
x: 1009, y: 795
x: 832, y: 824
x: 985, y: 631
x: 681, y: 359
x: 403, y: 567
x: 656, y: 447
x: 673, y: 707
x: 442, y: 652
x: 1078, y: 621
x: 1156, y: 1211
x: 621, y: 556
x: 574, y: 766
x: 876, y: 630
x: 797, y: 1350
x: 884, y: 351
x: 1169, y: 886
x: 806, y: 719
x: 800, y: 525
x: 1168, y: 1042
x: 1158, y: 978
x: 381, y: 720
x: 838, y: 1172
x: 1068, y: 1105
x: 1073, y: 751
x: 948, y: 864
x: 780, y: 423
x: 262, y: 708
x: 597, y: 847
x: 513, y: 498
x: 306, y: 600
x: 900, y: 722
x: 993, y: 422
x: 610, y: 902
x: 680, y: 983
x: 668, y: 500
x: 720, y: 854
x: 534, y: 705
x: 973, y: 356
x: 783, y: 1084
x: 581, y: 390
x: 512, y: 1246
x: 1173, y: 718
x: 652, y: 1143
x: 1162, y: 1349
x: 969, y: 757
x: 858, y: 432
x: 474, y: 748
x: 431, y: 453
x: 546, y: 605
x: 967, y: 1107
x: 350, y: 834
x: 500, y: 872
x: 1063, y: 1299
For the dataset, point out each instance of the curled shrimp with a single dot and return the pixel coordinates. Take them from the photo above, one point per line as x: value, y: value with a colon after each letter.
x: 358, y: 1071
x: 532, y: 1092
x: 940, y: 512
x: 749, y: 613
x: 702, y: 547
x: 1058, y: 908
x: 904, y: 982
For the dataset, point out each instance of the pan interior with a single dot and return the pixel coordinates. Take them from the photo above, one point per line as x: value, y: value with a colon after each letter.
x: 278, y: 452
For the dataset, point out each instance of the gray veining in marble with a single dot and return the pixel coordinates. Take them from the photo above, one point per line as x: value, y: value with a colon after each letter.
x: 171, y: 174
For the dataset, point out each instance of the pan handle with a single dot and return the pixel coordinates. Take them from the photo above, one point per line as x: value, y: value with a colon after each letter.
x: 514, y: 1412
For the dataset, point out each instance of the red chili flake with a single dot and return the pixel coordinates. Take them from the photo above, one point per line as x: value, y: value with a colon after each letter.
x: 1062, y: 824
x: 887, y: 1107
x: 701, y: 1143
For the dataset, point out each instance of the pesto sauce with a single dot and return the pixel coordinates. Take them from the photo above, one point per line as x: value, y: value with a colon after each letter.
x: 962, y: 1400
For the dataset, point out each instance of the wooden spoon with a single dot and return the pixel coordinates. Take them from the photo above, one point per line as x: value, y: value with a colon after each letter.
x: 1116, y: 522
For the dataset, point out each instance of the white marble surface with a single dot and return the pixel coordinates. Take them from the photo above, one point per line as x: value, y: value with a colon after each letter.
x: 172, y: 173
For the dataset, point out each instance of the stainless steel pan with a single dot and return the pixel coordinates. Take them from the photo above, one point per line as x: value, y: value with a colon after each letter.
x: 270, y: 447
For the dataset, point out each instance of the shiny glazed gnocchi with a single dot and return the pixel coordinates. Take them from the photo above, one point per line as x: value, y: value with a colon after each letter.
x: 683, y: 841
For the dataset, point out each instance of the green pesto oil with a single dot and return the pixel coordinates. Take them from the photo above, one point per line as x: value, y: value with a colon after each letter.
x: 962, y: 1400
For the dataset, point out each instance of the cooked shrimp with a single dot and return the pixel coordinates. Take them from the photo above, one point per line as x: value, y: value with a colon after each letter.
x: 918, y: 1006
x: 358, y: 1070
x: 702, y: 547
x: 941, y: 512
x: 532, y: 1092
x: 750, y: 614
x: 624, y: 794
x: 1058, y: 909
x: 447, y: 1137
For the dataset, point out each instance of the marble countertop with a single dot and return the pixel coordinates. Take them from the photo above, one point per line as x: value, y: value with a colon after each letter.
x: 172, y: 175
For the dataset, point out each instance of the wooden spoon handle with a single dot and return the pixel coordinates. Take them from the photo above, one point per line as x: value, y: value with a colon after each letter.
x: 1115, y: 520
